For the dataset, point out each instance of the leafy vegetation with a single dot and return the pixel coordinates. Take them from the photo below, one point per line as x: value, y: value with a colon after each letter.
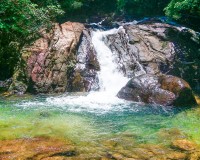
x: 186, y: 11
x: 142, y: 7
x: 19, y: 23
x: 82, y: 10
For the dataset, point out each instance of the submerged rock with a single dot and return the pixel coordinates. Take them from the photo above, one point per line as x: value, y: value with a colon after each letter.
x: 36, y: 148
x: 184, y: 145
x: 194, y: 156
x: 163, y: 90
x: 49, y: 148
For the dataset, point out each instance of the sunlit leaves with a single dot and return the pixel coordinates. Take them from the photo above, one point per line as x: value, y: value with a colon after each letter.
x: 178, y: 9
x: 20, y: 21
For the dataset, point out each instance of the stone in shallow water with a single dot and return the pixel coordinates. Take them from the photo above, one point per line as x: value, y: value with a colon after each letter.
x: 176, y: 156
x: 168, y: 135
x: 180, y: 88
x: 184, y: 145
x: 194, y: 156
x: 65, y: 154
x: 54, y: 158
x: 36, y: 148
x: 116, y: 156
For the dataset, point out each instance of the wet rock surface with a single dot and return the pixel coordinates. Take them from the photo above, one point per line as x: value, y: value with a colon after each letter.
x: 148, y: 151
x: 36, y: 148
x: 64, y: 59
x: 55, y: 149
x: 142, y: 49
x: 181, y: 89
x: 184, y: 145
x: 85, y: 73
x: 49, y: 60
x: 197, y: 99
x: 163, y: 90
x: 145, y: 53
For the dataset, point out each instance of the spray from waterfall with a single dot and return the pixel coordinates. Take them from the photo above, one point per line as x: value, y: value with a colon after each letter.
x: 110, y: 79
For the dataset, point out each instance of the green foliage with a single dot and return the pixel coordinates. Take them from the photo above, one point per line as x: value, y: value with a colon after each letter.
x: 24, y: 17
x: 70, y: 5
x: 185, y: 11
x: 20, y: 21
x: 179, y: 8
x: 142, y: 7
x: 82, y: 9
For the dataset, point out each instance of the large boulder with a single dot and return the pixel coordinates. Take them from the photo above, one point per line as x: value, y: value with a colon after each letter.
x: 146, y: 52
x: 46, y: 64
x: 142, y: 48
x: 164, y: 90
x: 153, y: 48
x: 181, y: 89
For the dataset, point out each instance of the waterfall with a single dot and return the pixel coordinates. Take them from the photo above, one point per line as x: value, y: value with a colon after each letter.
x: 110, y: 79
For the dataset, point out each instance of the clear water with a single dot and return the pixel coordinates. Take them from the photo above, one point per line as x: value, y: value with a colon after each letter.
x: 91, y: 120
x: 46, y: 116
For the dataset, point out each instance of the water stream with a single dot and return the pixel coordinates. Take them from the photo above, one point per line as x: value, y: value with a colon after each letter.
x: 92, y: 119
x: 110, y: 81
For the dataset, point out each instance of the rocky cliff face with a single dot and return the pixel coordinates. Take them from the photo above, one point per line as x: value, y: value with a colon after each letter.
x: 85, y: 76
x: 142, y: 49
x: 49, y: 60
x: 64, y: 59
x: 145, y: 53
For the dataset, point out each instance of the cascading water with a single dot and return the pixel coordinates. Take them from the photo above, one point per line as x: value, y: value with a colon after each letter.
x: 97, y: 125
x: 110, y: 81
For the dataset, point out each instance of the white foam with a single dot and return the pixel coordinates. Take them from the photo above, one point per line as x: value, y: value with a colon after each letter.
x: 111, y: 81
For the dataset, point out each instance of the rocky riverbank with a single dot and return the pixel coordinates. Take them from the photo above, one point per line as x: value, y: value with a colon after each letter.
x: 64, y: 60
x: 55, y: 149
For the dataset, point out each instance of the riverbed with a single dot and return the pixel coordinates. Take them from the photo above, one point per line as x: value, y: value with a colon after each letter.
x: 99, y: 129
